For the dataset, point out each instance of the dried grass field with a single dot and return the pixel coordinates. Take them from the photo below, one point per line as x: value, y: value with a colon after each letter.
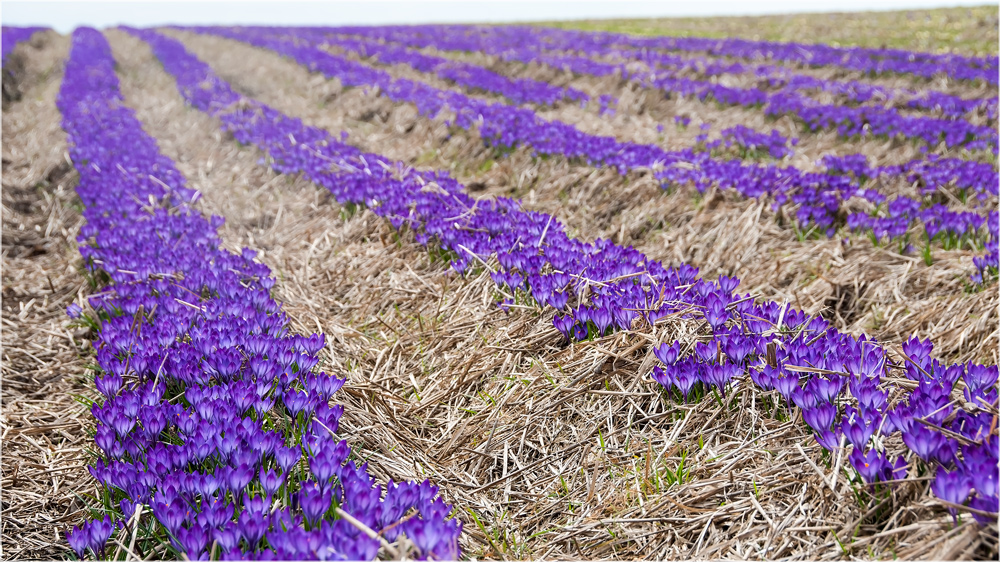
x: 545, y: 446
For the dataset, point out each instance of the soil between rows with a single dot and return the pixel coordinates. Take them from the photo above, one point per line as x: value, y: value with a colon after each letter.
x: 44, y: 362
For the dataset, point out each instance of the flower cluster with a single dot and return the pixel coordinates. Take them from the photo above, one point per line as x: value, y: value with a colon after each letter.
x: 752, y: 142
x: 975, y: 182
x: 12, y: 35
x: 838, y: 381
x: 973, y: 179
x: 211, y: 415
x: 900, y: 212
x: 817, y: 196
x: 842, y: 387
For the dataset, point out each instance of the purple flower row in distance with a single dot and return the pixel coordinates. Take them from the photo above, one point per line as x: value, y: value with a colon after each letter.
x: 967, y: 174
x: 777, y: 76
x: 526, y: 90
x: 526, y: 45
x: 516, y: 90
x: 856, y: 91
x: 845, y: 386
x: 865, y: 60
x: 977, y: 180
x: 817, y: 197
x: 780, y: 77
x: 212, y: 418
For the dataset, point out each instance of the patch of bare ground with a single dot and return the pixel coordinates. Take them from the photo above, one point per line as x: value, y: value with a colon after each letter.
x: 44, y: 430
x: 858, y: 287
x: 28, y: 157
x: 21, y: 69
x: 546, y: 450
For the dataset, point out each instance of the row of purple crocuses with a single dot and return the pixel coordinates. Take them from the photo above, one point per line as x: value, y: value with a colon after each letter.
x: 660, y: 72
x: 854, y: 91
x: 783, y: 78
x: 975, y: 175
x: 520, y: 91
x: 372, y: 42
x: 517, y: 90
x: 212, y: 419
x: 932, y: 172
x: 845, y: 386
x: 818, y: 197
x: 865, y: 60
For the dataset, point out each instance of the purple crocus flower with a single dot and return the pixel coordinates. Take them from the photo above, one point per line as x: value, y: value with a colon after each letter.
x: 667, y: 354
x: 871, y: 465
x: 74, y: 310
x: 286, y: 457
x: 79, y: 539
x: 820, y: 417
x: 707, y: 352
x: 951, y: 486
x: 100, y: 531
x: 192, y: 541
x: 270, y: 481
x: 715, y: 312
x: 827, y: 439
x: 315, y: 502
x: 923, y: 441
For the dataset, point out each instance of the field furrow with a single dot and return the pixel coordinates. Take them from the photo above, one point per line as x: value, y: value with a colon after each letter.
x: 45, y: 430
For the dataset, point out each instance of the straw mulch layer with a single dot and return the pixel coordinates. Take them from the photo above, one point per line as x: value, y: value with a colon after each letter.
x: 44, y: 429
x: 547, y: 450
x: 20, y: 69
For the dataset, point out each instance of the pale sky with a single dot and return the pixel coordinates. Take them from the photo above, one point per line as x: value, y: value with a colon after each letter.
x: 64, y: 16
